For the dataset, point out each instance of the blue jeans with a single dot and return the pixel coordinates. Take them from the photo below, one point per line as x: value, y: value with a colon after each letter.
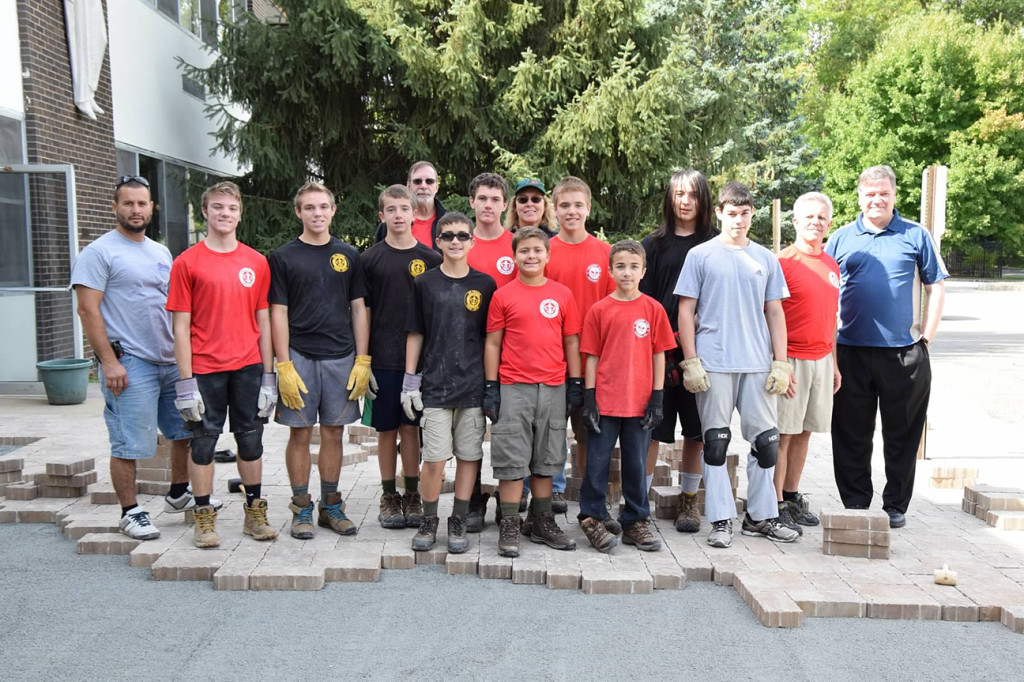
x: 557, y: 481
x: 633, y: 444
x: 148, y: 402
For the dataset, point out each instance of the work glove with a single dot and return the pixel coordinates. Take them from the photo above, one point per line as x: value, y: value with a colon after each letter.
x: 267, y: 400
x: 654, y: 412
x: 573, y: 394
x: 189, y: 401
x: 695, y: 379
x: 361, y: 380
x: 412, y: 399
x: 492, y: 400
x: 591, y: 415
x: 778, y: 380
x: 290, y: 385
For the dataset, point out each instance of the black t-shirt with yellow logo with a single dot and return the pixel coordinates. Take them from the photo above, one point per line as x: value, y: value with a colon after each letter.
x: 317, y: 283
x: 452, y: 316
x: 389, y: 276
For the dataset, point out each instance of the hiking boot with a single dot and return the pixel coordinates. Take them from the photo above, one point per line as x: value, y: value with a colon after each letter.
x: 546, y: 531
x: 688, y: 518
x: 769, y: 528
x: 457, y: 540
x: 786, y: 518
x: 332, y: 515
x: 477, y: 512
x: 508, y: 535
x: 524, y: 502
x: 180, y: 505
x: 598, y: 534
x: 302, y: 516
x: 205, y: 532
x: 412, y: 508
x: 721, y: 533
x: 391, y: 515
x: 558, y: 503
x: 800, y: 510
x: 426, y: 536
x: 136, y: 525
x: 639, y: 534
x: 256, y: 523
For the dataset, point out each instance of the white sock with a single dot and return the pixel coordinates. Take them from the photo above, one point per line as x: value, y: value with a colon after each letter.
x: 690, y: 482
x: 650, y: 479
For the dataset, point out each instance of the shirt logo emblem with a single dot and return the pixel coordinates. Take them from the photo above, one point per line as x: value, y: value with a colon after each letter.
x: 593, y: 272
x: 641, y: 328
x: 549, y: 308
x: 473, y: 300
x: 833, y: 279
x: 339, y: 262
x: 506, y: 265
x: 247, y: 277
x: 417, y: 267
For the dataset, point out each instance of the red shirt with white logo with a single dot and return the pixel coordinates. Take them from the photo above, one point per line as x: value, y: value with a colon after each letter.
x: 535, y: 320
x: 625, y: 335
x: 494, y: 257
x: 222, y: 291
x: 423, y: 231
x: 813, y: 301
x: 583, y: 268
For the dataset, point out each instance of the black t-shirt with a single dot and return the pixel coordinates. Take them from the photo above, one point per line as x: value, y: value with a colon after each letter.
x: 664, y: 263
x: 452, y: 316
x: 389, y: 276
x: 317, y: 283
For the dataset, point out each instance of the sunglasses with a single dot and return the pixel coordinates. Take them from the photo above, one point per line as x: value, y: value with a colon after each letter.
x: 125, y: 179
x: 421, y: 181
x: 532, y: 199
x: 450, y: 236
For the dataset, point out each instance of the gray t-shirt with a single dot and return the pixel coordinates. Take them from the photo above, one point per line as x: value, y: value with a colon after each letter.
x: 731, y: 285
x: 134, y: 278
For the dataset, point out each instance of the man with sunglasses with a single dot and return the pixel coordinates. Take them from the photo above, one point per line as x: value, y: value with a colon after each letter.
x: 427, y: 210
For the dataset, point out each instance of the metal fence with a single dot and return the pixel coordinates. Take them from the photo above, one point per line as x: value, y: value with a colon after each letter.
x: 984, y: 259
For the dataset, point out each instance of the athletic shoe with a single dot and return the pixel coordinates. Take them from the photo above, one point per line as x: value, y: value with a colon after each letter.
x: 224, y: 456
x: 769, y: 528
x: 178, y: 505
x: 136, y: 525
x: 558, y: 503
x: 786, y: 518
x: 475, y: 518
x: 896, y: 519
x: 457, y: 540
x: 524, y: 502
x: 639, y: 534
x: 688, y: 518
x: 721, y: 533
x: 302, y: 516
x: 546, y: 531
x: 412, y: 508
x: 598, y: 534
x: 332, y: 515
x: 426, y: 536
x: 256, y: 523
x: 391, y: 515
x: 800, y: 510
x: 205, y: 531
x: 508, y: 535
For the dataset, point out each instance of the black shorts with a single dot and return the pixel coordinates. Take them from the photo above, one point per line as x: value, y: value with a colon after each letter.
x: 678, y: 401
x: 237, y: 392
x: 387, y: 412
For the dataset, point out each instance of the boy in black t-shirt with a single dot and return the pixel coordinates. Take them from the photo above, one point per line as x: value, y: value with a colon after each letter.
x: 391, y: 266
x: 447, y: 325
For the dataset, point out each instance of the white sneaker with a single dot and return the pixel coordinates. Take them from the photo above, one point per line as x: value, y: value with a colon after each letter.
x: 179, y: 505
x: 136, y: 525
x: 721, y: 533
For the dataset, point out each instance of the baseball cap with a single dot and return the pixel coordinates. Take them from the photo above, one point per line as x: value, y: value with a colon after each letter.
x: 529, y: 182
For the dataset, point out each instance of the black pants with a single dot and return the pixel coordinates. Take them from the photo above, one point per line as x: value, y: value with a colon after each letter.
x: 897, y: 382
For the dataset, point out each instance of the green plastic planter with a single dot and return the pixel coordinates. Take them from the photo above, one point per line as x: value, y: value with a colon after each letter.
x: 66, y: 380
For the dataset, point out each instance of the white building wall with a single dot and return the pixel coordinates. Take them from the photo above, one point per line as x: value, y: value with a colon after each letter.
x: 11, y: 98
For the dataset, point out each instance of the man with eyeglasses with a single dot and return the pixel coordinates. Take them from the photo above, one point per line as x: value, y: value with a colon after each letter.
x: 428, y: 209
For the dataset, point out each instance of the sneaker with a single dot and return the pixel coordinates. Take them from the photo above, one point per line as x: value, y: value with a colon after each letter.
x: 256, y: 523
x: 786, y: 518
x: 896, y: 519
x: 524, y: 502
x: 613, y: 526
x: 332, y: 515
x: 558, y: 503
x: 721, y: 533
x: 302, y: 517
x: 205, y: 532
x: 800, y: 510
x: 391, y: 515
x: 598, y: 534
x: 769, y: 528
x: 426, y: 536
x: 508, y: 535
x: 546, y: 531
x: 477, y: 511
x: 639, y: 534
x: 136, y: 525
x: 457, y: 540
x: 179, y: 505
x: 688, y: 518
x: 412, y: 508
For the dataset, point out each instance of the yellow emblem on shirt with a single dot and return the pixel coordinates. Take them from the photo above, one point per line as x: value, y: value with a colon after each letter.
x: 473, y: 299
x: 417, y: 267
x: 339, y: 262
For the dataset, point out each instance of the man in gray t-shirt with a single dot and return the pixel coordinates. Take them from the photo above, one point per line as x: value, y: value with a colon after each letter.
x: 731, y: 326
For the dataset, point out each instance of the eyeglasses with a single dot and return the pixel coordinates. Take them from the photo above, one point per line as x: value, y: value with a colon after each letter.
x: 461, y: 236
x: 421, y: 181
x: 125, y: 179
x: 532, y: 199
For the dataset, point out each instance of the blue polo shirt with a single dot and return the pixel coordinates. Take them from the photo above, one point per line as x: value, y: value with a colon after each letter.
x: 876, y: 297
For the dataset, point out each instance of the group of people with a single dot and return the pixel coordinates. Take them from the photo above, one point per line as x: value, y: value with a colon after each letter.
x: 446, y: 322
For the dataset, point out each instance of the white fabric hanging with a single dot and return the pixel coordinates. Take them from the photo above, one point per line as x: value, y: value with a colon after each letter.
x: 87, y: 43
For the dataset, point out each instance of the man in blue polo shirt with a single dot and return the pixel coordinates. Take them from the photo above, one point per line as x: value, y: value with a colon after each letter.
x: 883, y: 366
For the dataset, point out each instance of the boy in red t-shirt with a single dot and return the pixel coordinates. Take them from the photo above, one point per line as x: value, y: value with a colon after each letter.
x: 532, y: 339
x: 492, y: 250
x: 625, y: 337
x: 222, y: 344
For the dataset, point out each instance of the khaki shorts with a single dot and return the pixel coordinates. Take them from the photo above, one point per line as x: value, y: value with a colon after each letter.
x: 811, y: 408
x: 529, y: 436
x: 457, y: 432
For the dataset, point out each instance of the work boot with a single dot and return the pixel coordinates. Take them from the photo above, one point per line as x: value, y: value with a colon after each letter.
x: 302, y: 516
x: 256, y: 523
x: 205, y: 532
x: 508, y: 535
x: 558, y: 503
x: 598, y: 534
x: 688, y: 518
x: 412, y: 508
x: 545, y: 530
x: 477, y: 512
x: 332, y: 515
x: 426, y: 536
x: 639, y: 534
x: 391, y: 515
x: 457, y: 540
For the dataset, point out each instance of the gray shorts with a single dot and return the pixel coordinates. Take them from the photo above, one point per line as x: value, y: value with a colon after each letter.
x: 458, y: 432
x: 529, y: 437
x: 744, y: 393
x: 327, y: 401
x: 811, y: 408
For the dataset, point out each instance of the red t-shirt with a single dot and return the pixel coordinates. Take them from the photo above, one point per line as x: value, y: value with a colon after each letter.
x: 813, y: 283
x: 534, y: 319
x: 625, y: 335
x: 222, y: 291
x: 494, y: 257
x: 422, y: 230
x: 583, y: 268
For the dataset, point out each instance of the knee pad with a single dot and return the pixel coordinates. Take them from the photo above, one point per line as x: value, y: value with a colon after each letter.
x: 250, y: 444
x: 766, y: 448
x: 716, y: 446
x: 203, y: 448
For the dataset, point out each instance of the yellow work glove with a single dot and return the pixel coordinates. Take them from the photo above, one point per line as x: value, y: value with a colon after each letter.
x: 361, y: 381
x: 778, y: 380
x: 289, y: 385
x: 695, y: 379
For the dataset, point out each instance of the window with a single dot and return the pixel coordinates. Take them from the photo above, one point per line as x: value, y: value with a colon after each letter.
x: 200, y: 16
x: 15, y: 257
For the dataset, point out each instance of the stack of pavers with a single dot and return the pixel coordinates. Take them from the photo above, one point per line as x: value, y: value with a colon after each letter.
x: 11, y: 480
x: 953, y: 477
x: 1000, y: 507
x: 153, y: 474
x: 666, y: 498
x: 860, y: 533
x: 68, y: 477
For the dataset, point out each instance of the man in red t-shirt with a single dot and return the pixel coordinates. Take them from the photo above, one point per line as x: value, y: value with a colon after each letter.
x: 423, y: 182
x: 813, y: 280
x: 222, y: 344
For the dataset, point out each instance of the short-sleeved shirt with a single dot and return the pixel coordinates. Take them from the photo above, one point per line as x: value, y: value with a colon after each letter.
x: 134, y: 278
x: 813, y: 283
x: 222, y: 292
x: 389, y: 274
x: 732, y: 285
x: 582, y: 267
x: 535, y: 320
x: 625, y: 335
x: 494, y: 257
x: 317, y: 283
x: 423, y: 230
x: 451, y: 313
x: 876, y: 296
x: 665, y: 258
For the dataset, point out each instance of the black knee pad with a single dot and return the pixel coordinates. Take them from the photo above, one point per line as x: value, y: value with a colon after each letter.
x: 203, y: 447
x: 716, y: 446
x: 766, y: 448
x: 250, y: 444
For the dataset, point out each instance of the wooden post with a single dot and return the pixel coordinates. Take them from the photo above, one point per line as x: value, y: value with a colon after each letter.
x: 933, y: 219
x: 776, y: 225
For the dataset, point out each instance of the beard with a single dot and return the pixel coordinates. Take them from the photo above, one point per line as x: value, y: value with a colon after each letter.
x: 135, y: 229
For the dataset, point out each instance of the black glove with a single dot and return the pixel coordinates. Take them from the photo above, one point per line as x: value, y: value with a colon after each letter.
x: 654, y: 412
x: 574, y: 394
x: 591, y: 416
x: 492, y: 400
